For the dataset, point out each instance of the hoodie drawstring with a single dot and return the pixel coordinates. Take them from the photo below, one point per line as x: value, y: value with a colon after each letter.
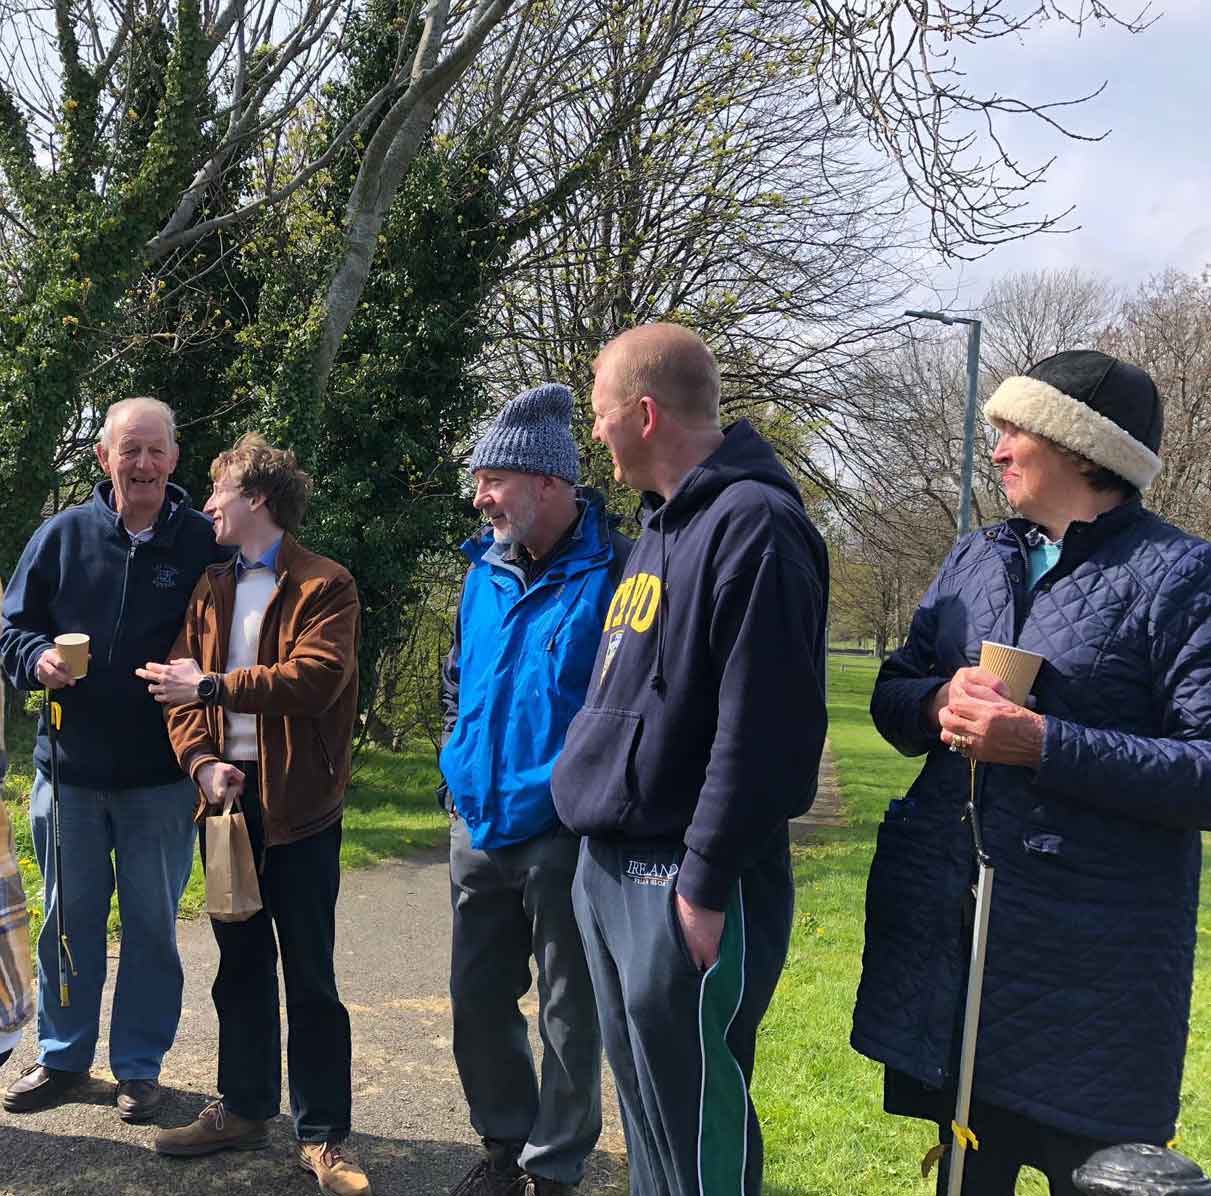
x: 657, y: 681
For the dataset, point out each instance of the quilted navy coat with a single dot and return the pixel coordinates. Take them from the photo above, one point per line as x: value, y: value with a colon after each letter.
x: 1097, y: 854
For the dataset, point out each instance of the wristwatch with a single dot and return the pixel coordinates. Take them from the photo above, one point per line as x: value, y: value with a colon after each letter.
x: 208, y: 689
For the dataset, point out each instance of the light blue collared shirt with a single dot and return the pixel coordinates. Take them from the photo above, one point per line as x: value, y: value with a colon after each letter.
x: 268, y: 560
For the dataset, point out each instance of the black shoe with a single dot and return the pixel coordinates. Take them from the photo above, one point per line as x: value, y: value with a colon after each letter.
x: 138, y: 1100
x: 487, y: 1179
x: 39, y: 1087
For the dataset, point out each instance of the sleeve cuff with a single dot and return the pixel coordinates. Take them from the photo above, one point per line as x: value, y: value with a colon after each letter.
x: 197, y: 760
x: 705, y: 883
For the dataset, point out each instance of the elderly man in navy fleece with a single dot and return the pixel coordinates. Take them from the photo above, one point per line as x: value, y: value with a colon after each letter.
x: 701, y: 735
x: 119, y: 567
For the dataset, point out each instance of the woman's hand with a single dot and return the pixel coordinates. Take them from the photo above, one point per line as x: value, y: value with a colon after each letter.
x: 970, y: 682
x: 995, y: 730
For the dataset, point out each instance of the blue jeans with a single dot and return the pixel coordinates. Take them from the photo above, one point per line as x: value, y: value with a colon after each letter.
x: 150, y: 834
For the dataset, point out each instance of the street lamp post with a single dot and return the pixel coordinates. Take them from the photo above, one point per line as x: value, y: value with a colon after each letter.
x: 969, y: 411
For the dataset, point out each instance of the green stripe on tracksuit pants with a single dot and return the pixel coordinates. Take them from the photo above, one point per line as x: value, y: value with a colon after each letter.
x: 681, y: 1041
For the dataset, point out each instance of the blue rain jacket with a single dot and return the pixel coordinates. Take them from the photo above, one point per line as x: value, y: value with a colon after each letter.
x: 518, y: 673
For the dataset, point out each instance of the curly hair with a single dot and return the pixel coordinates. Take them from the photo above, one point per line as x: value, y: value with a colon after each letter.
x: 259, y: 468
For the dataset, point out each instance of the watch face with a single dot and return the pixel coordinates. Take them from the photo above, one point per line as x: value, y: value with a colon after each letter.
x: 207, y: 688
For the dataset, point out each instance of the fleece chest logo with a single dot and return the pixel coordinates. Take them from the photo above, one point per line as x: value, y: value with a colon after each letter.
x: 164, y: 577
x: 640, y: 872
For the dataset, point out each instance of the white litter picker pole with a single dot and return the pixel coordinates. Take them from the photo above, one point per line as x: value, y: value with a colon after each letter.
x: 962, y: 1135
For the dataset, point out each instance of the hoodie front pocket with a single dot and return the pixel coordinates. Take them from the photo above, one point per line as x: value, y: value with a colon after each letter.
x: 594, y: 783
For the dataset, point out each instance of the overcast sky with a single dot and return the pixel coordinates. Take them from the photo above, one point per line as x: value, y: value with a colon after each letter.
x: 1143, y: 194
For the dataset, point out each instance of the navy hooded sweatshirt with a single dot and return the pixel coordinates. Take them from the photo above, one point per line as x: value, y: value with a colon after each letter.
x: 705, y: 716
x: 80, y: 571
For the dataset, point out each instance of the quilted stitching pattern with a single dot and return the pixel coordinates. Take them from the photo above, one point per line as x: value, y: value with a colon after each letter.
x: 1091, y: 946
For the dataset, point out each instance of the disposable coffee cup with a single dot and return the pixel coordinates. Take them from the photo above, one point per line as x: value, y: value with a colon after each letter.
x: 73, y: 647
x: 1015, y: 666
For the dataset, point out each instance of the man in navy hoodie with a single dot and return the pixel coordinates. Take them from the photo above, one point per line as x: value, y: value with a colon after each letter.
x: 700, y: 736
x: 120, y: 568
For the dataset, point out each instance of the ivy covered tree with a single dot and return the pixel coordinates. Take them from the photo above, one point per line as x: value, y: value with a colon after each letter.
x: 401, y: 401
x: 82, y: 242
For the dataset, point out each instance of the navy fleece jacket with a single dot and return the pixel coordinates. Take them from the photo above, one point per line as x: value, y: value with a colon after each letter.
x: 705, y: 717
x: 80, y: 571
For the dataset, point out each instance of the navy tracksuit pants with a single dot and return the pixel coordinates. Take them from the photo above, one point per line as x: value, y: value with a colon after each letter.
x: 681, y: 1041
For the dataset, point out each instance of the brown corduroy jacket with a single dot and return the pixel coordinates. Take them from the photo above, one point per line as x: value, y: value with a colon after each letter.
x: 303, y: 688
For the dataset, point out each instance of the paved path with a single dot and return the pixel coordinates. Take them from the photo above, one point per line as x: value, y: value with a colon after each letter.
x: 826, y: 810
x: 410, y: 1121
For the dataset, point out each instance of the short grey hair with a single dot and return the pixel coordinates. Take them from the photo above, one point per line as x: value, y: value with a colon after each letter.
x: 118, y: 409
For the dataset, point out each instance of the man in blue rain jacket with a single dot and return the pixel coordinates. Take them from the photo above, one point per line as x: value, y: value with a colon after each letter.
x: 538, y: 588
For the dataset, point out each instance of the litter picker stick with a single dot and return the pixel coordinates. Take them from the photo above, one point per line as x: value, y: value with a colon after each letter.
x: 54, y: 724
x: 963, y: 1137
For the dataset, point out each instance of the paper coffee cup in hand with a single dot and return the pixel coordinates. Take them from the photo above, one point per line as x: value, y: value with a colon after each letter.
x: 1015, y: 666
x: 73, y: 647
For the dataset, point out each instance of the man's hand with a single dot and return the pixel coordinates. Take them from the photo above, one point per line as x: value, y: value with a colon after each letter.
x: 174, y: 683
x: 219, y: 781
x: 52, y: 670
x: 703, y: 931
x: 998, y: 731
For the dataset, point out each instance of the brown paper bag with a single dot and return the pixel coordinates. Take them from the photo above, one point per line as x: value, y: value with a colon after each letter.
x: 232, y: 891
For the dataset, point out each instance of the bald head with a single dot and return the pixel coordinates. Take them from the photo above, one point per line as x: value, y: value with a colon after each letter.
x: 668, y: 363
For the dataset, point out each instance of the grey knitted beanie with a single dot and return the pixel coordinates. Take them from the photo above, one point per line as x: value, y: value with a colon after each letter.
x: 532, y: 435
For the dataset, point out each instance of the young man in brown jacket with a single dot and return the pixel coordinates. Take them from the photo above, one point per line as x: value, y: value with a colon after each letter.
x: 262, y: 691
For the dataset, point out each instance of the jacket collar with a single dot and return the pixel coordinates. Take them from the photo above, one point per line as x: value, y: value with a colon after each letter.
x: 176, y: 503
x: 289, y: 553
x: 590, y: 537
x: 1089, y: 535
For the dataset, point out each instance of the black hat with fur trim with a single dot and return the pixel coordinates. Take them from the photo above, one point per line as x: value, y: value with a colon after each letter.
x: 1091, y: 403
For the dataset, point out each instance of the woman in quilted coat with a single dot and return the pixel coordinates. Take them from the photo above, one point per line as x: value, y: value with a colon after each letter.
x: 1091, y: 802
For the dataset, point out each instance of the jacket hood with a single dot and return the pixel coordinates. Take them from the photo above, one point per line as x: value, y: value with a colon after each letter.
x: 744, y: 455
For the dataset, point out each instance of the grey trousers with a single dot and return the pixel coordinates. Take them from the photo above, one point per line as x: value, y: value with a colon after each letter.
x: 511, y: 904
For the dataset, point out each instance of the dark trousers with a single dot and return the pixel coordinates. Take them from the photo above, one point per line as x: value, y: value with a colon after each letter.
x: 681, y: 1042
x: 512, y: 904
x: 1009, y: 1142
x: 299, y: 886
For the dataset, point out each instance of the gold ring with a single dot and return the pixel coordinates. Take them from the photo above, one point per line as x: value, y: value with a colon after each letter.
x: 960, y: 743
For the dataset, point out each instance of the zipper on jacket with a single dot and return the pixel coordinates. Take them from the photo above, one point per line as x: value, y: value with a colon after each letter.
x: 130, y: 560
x: 567, y: 610
x: 324, y: 752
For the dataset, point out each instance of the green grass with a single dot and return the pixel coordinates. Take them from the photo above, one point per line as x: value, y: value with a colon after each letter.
x: 390, y: 810
x: 820, y: 1102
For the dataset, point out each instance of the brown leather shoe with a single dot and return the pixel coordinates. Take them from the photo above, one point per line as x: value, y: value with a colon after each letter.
x: 338, y: 1174
x: 39, y: 1087
x: 215, y: 1129
x: 138, y: 1100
